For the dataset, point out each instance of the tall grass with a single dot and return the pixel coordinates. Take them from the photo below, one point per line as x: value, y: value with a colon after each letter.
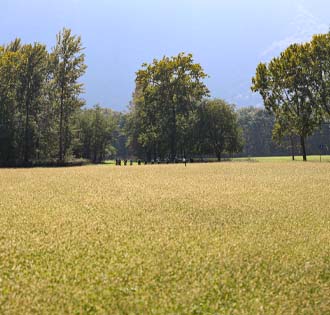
x: 231, y: 238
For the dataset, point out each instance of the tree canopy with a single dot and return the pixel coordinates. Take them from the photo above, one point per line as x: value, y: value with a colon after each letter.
x: 286, y: 86
x: 43, y: 118
x: 167, y: 92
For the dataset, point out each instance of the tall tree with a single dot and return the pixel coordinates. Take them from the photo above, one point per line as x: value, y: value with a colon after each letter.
x: 32, y: 75
x: 68, y: 66
x: 9, y: 65
x: 168, y: 91
x: 284, y: 85
x: 319, y: 89
x: 134, y: 126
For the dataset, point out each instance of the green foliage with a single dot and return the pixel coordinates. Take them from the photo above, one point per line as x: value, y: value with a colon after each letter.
x: 320, y: 78
x: 41, y: 117
x: 67, y: 66
x: 218, y: 128
x: 295, y: 87
x: 257, y: 125
x: 23, y: 72
x: 32, y: 75
x: 167, y: 92
x: 95, y: 127
x: 9, y: 63
x: 39, y: 96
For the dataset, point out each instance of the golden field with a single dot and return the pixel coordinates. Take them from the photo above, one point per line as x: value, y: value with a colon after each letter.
x: 220, y: 238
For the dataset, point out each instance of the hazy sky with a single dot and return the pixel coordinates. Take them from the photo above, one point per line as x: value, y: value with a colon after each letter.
x: 228, y: 37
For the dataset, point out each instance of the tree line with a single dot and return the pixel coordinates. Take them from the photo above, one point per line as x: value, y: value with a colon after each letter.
x: 39, y: 95
x: 170, y: 115
x: 43, y: 118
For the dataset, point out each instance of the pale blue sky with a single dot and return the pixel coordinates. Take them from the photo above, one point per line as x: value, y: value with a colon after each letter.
x: 228, y: 37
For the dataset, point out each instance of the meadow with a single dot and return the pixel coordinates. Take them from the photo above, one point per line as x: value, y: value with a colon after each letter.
x: 218, y: 238
x: 310, y: 158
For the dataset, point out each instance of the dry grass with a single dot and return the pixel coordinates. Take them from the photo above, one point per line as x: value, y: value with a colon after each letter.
x: 231, y: 238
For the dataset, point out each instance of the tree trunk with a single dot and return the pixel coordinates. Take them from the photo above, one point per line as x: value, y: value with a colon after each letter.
x: 26, y: 132
x: 303, y: 147
x: 173, y: 135
x: 61, y: 157
x: 148, y: 155
x: 292, y: 148
x: 95, y: 155
x: 155, y: 152
x: 61, y: 138
x: 219, y: 156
